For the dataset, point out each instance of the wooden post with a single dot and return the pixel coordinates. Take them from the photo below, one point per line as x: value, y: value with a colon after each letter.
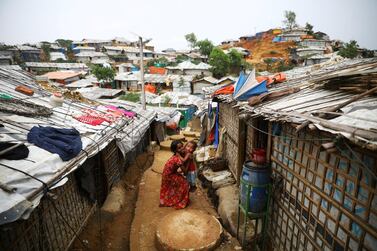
x: 269, y: 143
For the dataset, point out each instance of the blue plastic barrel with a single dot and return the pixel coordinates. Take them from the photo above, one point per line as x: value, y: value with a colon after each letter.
x: 259, y: 175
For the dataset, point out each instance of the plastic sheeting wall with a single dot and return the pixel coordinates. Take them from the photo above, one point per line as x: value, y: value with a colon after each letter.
x: 325, y: 201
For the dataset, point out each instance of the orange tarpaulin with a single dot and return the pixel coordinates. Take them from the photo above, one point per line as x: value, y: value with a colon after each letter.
x: 262, y: 78
x: 277, y: 78
x: 157, y: 70
x: 225, y: 90
x: 150, y: 88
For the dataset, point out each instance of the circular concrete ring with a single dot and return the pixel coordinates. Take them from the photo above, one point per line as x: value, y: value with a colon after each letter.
x: 189, y: 134
x: 188, y: 229
x: 177, y: 137
x: 165, y: 145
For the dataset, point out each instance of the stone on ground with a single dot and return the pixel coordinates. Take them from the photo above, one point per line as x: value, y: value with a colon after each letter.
x: 188, y: 230
x: 115, y: 200
x: 228, y: 207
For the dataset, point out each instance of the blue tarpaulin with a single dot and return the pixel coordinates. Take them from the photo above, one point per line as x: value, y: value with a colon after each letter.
x: 256, y: 90
x: 249, y: 87
x: 240, y: 82
x: 276, y: 39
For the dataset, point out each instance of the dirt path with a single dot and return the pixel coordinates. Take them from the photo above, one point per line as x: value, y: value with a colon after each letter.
x: 148, y: 214
x: 116, y: 226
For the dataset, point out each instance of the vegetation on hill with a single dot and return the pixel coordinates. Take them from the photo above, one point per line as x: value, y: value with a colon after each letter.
x: 349, y: 50
x: 67, y: 44
x: 103, y: 74
x: 45, y: 55
x: 290, y: 19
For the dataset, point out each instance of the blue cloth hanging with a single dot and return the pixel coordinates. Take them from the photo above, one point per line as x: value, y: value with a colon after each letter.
x: 64, y: 142
x: 216, y: 143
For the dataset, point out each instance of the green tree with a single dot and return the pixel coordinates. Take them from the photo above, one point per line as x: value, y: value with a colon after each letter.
x: 235, y: 59
x: 45, y: 52
x: 367, y: 53
x: 290, y: 19
x: 181, y: 58
x: 205, y: 47
x: 309, y: 28
x: 191, y: 39
x: 163, y: 61
x: 103, y: 74
x: 220, y: 63
x: 349, y: 50
x: 269, y: 62
x: 181, y: 82
x: 67, y: 44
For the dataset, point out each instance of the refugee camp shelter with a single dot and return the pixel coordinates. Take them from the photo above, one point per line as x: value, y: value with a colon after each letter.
x: 89, y: 56
x: 47, y: 201
x: 39, y: 67
x: 198, y: 84
x: 189, y: 68
x: 79, y: 49
x: 63, y: 77
x: 57, y: 55
x: 27, y: 53
x: 320, y: 142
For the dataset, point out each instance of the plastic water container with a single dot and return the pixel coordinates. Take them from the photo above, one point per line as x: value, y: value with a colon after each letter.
x: 259, y: 175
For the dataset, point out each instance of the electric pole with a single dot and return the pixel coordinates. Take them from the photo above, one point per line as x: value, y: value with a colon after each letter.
x: 142, y: 73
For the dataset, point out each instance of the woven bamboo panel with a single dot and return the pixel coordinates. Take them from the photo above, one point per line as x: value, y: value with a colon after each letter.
x: 45, y: 229
x: 112, y: 161
x: 327, y: 200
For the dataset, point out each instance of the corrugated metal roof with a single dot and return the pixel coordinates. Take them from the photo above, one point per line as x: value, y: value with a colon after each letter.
x: 152, y: 78
x: 82, y: 83
x: 88, y: 48
x: 90, y: 54
x: 56, y: 55
x: 187, y: 65
x: 97, y: 92
x: 315, y: 98
x: 57, y: 65
x: 61, y: 75
x: 210, y: 80
x: 126, y: 49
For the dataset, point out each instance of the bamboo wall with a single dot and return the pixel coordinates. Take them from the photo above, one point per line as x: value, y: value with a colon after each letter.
x: 228, y: 118
x: 52, y: 225
x: 324, y: 200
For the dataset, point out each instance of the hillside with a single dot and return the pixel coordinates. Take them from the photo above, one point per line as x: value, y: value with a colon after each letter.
x: 262, y: 48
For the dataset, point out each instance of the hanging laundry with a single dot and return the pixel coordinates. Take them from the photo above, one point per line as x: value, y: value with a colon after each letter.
x: 90, y: 120
x: 65, y: 142
x: 13, y: 151
x: 122, y: 110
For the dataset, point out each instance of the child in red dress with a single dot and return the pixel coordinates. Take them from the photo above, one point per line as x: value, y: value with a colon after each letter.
x: 190, y: 167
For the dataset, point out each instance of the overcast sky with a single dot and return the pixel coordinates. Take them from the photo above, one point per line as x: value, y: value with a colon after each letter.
x: 167, y: 21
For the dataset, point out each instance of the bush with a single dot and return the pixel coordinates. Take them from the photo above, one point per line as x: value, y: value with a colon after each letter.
x: 131, y: 96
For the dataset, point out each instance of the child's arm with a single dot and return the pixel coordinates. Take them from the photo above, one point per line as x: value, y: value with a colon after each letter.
x: 187, y: 157
x: 184, y: 166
